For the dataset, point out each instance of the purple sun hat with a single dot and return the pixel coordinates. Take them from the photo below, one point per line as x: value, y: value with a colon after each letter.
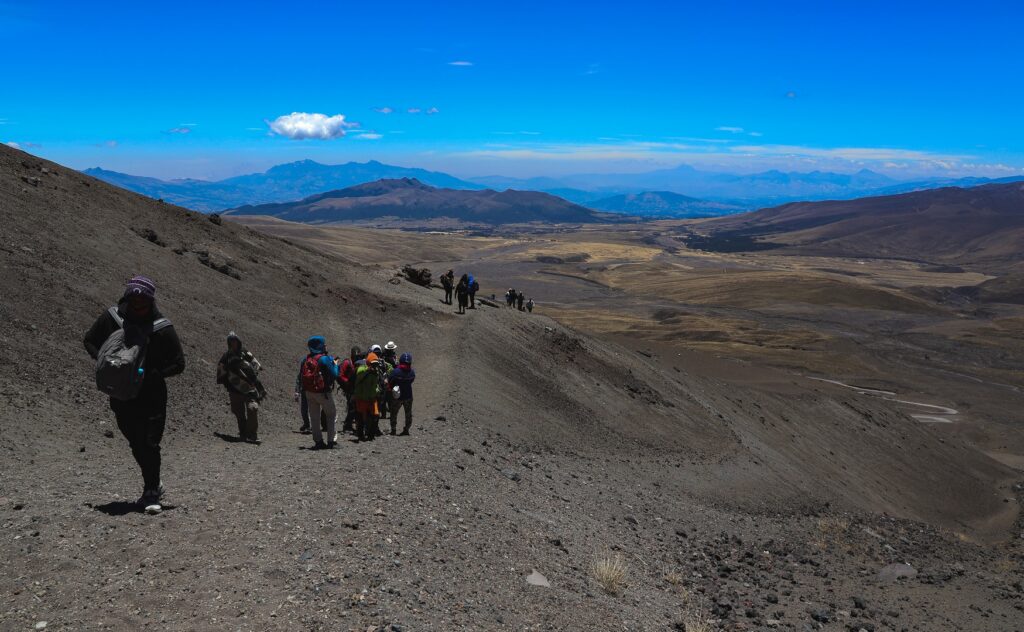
x: 140, y: 285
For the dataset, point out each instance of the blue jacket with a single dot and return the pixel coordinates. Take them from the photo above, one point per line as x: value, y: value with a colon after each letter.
x: 402, y: 376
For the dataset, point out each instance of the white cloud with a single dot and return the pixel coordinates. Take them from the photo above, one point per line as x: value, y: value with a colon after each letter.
x: 460, y: 63
x: 758, y: 134
x: 180, y: 130
x: 383, y: 110
x: 433, y: 111
x: 414, y: 110
x: 188, y: 124
x: 791, y: 95
x: 307, y: 125
x: 730, y: 129
x: 13, y: 144
x: 110, y: 143
x: 370, y: 136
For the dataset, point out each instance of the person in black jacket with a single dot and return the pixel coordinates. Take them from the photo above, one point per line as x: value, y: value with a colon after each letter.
x: 238, y: 371
x: 141, y: 420
x: 462, y: 293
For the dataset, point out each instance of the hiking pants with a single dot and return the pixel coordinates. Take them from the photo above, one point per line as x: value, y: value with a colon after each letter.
x: 405, y: 404
x: 472, y: 300
x: 304, y: 409
x: 448, y: 295
x: 246, y: 413
x: 141, y: 421
x: 322, y: 402
x: 350, y: 413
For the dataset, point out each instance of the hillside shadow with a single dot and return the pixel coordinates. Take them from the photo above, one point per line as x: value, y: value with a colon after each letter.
x: 124, y: 507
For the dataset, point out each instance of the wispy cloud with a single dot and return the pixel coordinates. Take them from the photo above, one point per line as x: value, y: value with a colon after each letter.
x: 791, y: 95
x: 110, y: 144
x: 370, y: 136
x: 757, y: 134
x: 178, y: 130
x: 460, y: 62
x: 306, y: 125
x: 414, y: 110
x: 592, y: 69
x: 433, y: 111
x: 383, y: 110
x: 730, y: 129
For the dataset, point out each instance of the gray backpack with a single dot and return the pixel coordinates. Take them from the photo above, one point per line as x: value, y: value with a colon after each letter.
x: 119, y: 371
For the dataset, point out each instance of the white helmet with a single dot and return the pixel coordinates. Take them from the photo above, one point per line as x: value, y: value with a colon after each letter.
x: 375, y: 349
x: 391, y: 346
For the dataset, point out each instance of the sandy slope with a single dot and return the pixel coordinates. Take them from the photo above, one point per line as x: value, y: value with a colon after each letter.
x: 534, y: 448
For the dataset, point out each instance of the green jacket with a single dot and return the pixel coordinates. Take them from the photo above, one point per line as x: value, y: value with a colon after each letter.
x: 367, y: 384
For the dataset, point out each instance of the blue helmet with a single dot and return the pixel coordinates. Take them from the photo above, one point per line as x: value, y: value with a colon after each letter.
x: 317, y: 344
x: 406, y: 358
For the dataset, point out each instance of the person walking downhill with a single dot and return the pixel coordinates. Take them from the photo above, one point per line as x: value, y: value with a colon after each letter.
x: 448, y: 283
x: 462, y: 293
x: 402, y: 377
x: 136, y: 331
x: 238, y: 370
x: 367, y: 394
x: 510, y: 297
x: 519, y: 300
x: 319, y: 373
x: 474, y: 287
x: 347, y: 381
x: 529, y: 305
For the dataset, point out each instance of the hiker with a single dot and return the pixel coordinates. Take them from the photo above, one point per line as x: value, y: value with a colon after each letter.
x: 347, y: 382
x: 138, y: 400
x: 462, y: 293
x: 300, y: 396
x: 474, y: 287
x: 529, y: 305
x: 510, y: 297
x: 402, y: 377
x: 391, y: 353
x: 319, y: 373
x: 519, y: 300
x: 448, y: 283
x: 367, y: 393
x: 238, y: 370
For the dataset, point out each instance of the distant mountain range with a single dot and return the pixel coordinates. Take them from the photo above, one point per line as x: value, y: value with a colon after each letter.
x: 663, y: 204
x: 291, y: 181
x: 651, y: 191
x: 410, y: 199
x: 980, y: 226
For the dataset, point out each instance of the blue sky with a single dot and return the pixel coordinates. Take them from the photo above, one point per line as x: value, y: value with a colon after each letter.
x: 206, y: 89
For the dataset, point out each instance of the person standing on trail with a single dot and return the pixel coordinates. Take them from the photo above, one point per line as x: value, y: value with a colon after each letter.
x: 319, y: 373
x: 462, y: 293
x: 238, y: 370
x: 367, y: 394
x: 448, y: 283
x: 529, y: 305
x: 474, y: 287
x: 519, y: 300
x: 347, y: 382
x: 510, y: 297
x: 140, y: 403
x: 402, y: 377
x: 300, y: 396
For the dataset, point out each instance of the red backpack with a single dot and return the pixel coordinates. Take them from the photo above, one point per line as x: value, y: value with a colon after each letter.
x: 312, y: 376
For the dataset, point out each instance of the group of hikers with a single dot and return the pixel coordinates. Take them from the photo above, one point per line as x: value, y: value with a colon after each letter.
x: 136, y: 349
x: 515, y: 299
x: 467, y: 287
x: 465, y: 290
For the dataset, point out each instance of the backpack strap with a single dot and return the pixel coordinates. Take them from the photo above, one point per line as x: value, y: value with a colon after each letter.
x: 116, y: 316
x: 160, y: 323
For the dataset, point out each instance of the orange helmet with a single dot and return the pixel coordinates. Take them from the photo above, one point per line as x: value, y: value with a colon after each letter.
x: 371, y: 358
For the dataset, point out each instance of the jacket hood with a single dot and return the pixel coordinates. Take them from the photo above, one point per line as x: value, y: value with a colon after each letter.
x: 317, y: 344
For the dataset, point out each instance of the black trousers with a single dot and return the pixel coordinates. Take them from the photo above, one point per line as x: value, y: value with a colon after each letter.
x: 448, y: 295
x: 142, y: 421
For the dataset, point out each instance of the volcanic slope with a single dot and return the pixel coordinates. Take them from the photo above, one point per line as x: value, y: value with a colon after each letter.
x: 534, y: 448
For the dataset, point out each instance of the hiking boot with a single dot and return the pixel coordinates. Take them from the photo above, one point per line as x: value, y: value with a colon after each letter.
x: 305, y: 430
x: 253, y: 440
x: 319, y: 445
x: 394, y: 431
x: 405, y: 432
x: 331, y: 444
x: 150, y: 500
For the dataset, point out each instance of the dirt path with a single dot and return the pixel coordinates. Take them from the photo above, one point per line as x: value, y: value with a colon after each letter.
x: 942, y: 414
